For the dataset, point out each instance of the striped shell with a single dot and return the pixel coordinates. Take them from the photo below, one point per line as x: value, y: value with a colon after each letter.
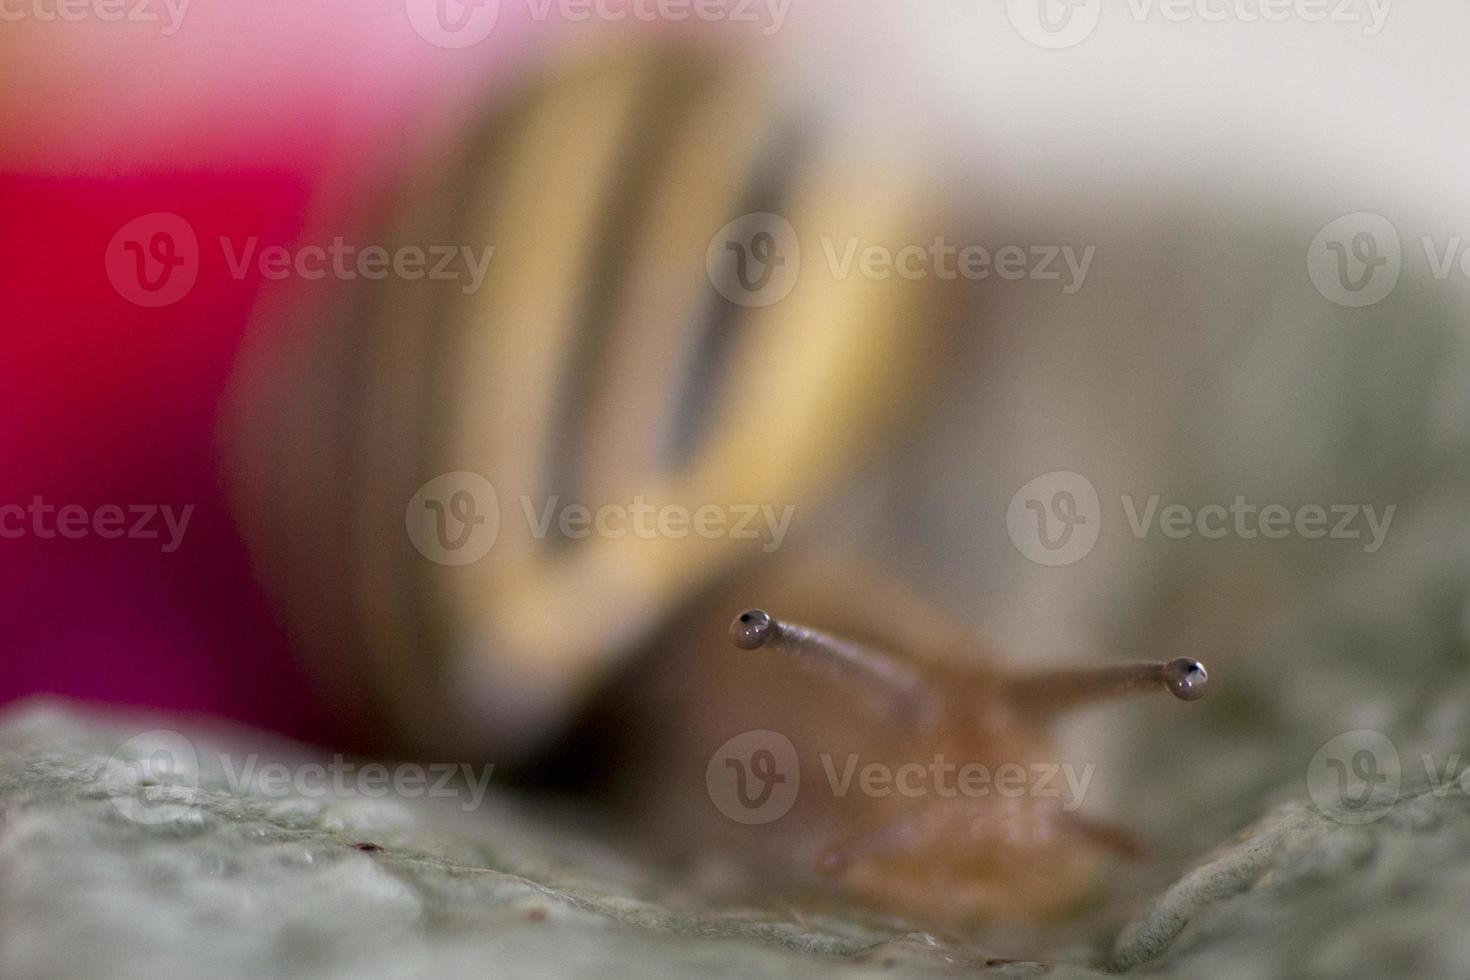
x: 616, y: 350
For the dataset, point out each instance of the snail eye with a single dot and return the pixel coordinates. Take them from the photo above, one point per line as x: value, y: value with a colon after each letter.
x: 1186, y: 678
x: 751, y: 629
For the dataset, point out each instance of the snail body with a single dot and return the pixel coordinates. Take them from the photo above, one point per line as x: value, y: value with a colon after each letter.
x: 926, y: 781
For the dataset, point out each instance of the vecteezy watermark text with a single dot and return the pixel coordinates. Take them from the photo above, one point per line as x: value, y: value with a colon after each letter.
x: 154, y: 777
x: 1056, y: 519
x: 756, y: 259
x: 1056, y: 24
x: 948, y: 780
x: 136, y: 522
x: 455, y: 519
x: 342, y: 778
x: 154, y: 260
x: 461, y: 23
x: 642, y: 519
x: 341, y: 260
x: 1370, y: 14
x: 168, y: 13
x: 1356, y: 260
x: 942, y: 259
x: 1246, y: 520
x: 755, y: 778
x: 1356, y: 777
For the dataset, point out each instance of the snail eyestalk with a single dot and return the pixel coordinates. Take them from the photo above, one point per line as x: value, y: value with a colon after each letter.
x: 1060, y: 690
x: 755, y: 629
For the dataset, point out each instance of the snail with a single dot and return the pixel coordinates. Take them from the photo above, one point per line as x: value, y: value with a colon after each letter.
x: 658, y: 329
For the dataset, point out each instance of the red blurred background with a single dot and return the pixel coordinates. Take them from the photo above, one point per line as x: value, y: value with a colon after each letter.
x: 273, y: 120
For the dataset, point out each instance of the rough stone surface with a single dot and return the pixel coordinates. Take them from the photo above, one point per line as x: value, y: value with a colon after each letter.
x: 1301, y: 894
x: 111, y: 868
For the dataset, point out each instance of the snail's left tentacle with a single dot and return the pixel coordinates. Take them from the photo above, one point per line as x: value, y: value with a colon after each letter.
x: 892, y: 681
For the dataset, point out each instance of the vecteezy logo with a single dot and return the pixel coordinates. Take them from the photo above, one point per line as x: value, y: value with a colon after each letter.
x: 1054, y: 23
x: 755, y: 259
x: 754, y: 777
x: 153, y: 260
x: 453, y: 23
x: 152, y: 777
x: 1354, y: 777
x: 762, y: 249
x: 461, y: 508
x: 454, y: 518
x: 1356, y: 260
x: 1055, y: 519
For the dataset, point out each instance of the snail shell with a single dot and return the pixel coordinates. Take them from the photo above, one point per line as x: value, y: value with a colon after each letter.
x: 610, y: 353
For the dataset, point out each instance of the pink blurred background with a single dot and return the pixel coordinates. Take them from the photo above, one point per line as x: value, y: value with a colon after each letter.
x: 277, y: 120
